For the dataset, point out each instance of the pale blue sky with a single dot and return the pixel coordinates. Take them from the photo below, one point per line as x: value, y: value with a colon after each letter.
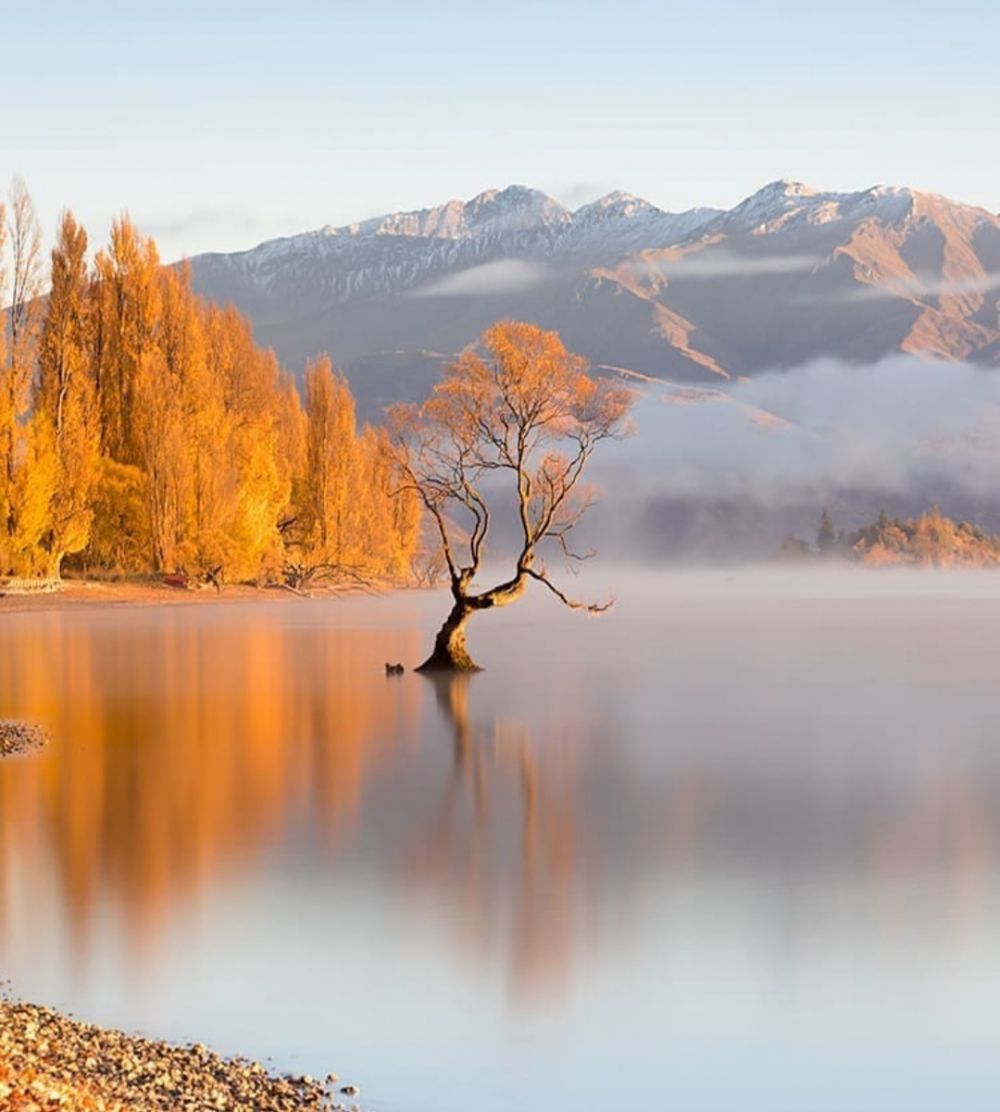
x: 221, y: 123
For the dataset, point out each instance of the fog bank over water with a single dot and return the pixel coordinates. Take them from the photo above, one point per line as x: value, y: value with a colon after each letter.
x: 636, y: 586
x: 728, y: 472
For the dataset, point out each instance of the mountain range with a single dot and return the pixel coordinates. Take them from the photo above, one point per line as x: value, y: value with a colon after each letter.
x: 789, y: 275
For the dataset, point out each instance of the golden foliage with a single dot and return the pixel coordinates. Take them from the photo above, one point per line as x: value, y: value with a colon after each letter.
x: 119, y: 537
x: 67, y: 400
x: 142, y: 429
x: 27, y: 454
x: 931, y: 540
x: 355, y: 516
x: 520, y: 408
x: 25, y: 500
x: 332, y: 465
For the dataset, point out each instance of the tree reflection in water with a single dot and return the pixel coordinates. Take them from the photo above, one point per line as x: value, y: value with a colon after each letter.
x: 197, y: 750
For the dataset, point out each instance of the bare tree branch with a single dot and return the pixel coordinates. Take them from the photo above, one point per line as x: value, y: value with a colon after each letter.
x: 572, y: 603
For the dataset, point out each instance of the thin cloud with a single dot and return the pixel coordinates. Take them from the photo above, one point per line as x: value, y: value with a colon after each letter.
x: 582, y: 193
x: 903, y: 426
x: 224, y: 228
x: 726, y: 264
x: 913, y: 289
x: 502, y: 276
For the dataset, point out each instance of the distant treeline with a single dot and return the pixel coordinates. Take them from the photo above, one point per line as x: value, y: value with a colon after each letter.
x: 142, y: 430
x: 930, y: 540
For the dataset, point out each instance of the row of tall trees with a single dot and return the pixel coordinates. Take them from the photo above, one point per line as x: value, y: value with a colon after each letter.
x: 142, y: 430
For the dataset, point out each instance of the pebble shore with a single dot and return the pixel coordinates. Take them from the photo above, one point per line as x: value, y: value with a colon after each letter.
x: 49, y: 1061
x: 20, y: 737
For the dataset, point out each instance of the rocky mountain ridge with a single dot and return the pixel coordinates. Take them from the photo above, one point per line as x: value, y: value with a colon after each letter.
x: 789, y: 275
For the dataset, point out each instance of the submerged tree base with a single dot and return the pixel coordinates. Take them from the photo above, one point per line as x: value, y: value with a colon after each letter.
x: 448, y: 662
x: 450, y: 653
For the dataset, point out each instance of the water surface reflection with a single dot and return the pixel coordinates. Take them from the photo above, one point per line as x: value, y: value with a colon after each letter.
x: 746, y: 829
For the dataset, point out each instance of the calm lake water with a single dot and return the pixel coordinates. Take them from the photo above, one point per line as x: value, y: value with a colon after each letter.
x: 733, y: 847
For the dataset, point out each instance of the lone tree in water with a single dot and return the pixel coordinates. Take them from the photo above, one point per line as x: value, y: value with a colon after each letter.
x: 520, y: 407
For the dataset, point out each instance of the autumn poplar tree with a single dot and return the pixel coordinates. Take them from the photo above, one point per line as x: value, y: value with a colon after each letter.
x: 258, y: 482
x: 27, y: 454
x: 128, y: 320
x: 352, y: 518
x: 331, y: 458
x: 521, y: 409
x: 67, y: 400
x: 388, y: 517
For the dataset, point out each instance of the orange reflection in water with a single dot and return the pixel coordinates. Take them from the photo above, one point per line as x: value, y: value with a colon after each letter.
x: 187, y: 742
x: 183, y: 744
x: 191, y: 742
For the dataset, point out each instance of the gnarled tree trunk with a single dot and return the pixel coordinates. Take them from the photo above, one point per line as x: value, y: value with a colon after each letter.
x: 449, y: 653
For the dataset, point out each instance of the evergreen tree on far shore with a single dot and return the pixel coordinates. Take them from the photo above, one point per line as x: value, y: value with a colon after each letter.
x: 826, y: 536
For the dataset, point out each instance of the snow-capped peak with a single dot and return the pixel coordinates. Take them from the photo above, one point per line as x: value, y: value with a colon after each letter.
x: 784, y: 203
x: 616, y: 204
x: 788, y: 188
x: 516, y: 207
x: 404, y: 250
x: 771, y: 202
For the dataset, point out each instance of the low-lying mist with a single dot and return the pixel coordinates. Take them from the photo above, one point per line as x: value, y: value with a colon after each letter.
x: 726, y: 473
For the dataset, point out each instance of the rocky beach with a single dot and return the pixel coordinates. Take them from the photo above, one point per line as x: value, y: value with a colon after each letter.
x: 51, y: 1061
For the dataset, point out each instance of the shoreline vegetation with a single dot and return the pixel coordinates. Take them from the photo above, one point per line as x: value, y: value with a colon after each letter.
x: 152, y: 591
x: 144, y: 432
x: 931, y: 540
x: 50, y: 1060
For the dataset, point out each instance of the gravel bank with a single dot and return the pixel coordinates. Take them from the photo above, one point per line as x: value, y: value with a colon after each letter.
x: 48, y: 1061
x: 20, y: 737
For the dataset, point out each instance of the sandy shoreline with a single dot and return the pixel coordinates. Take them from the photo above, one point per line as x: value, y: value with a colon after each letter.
x: 49, y: 1060
x: 78, y: 592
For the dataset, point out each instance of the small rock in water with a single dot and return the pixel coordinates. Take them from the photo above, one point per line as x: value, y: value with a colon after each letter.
x: 20, y: 737
x: 350, y: 1090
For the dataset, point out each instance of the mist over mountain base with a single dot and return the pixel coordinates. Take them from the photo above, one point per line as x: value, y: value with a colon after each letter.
x: 730, y: 473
